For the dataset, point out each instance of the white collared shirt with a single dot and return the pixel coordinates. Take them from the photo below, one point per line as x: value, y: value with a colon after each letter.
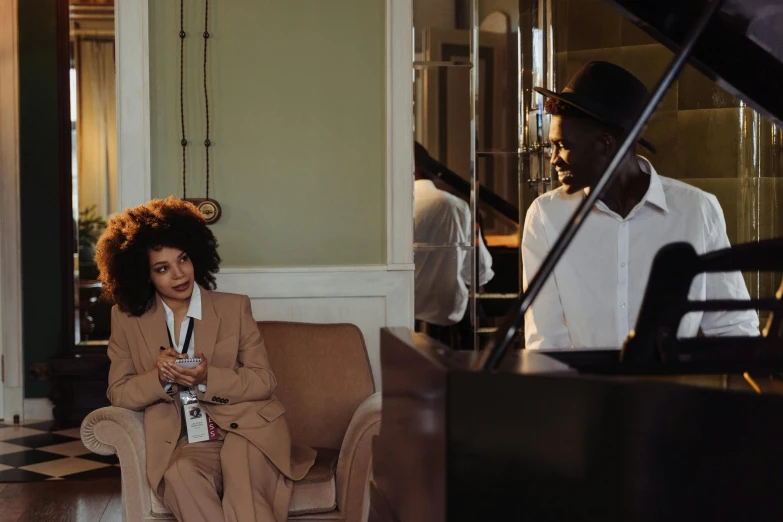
x: 194, y: 312
x: 592, y: 300
x: 442, y: 274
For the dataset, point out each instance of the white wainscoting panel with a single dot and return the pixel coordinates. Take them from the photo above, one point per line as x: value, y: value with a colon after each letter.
x: 369, y: 297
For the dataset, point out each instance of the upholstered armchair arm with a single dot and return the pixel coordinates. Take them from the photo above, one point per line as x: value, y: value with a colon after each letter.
x: 111, y: 430
x: 354, y: 464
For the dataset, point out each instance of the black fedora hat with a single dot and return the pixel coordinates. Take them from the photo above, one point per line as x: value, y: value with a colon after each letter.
x: 607, y: 93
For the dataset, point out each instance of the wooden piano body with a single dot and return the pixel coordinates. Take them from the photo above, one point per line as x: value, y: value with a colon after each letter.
x: 538, y: 440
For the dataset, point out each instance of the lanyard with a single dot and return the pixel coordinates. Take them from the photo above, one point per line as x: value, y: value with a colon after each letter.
x: 187, y: 336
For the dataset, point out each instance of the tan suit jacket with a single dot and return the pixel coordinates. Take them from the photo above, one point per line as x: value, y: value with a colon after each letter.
x: 240, y: 385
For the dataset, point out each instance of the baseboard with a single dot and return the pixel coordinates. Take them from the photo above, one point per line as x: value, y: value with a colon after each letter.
x: 38, y: 409
x: 14, y: 403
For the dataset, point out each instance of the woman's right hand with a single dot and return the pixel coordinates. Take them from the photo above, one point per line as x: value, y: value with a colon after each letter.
x: 167, y: 355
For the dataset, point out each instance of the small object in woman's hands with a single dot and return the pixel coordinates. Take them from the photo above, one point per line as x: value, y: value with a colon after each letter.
x: 188, y: 363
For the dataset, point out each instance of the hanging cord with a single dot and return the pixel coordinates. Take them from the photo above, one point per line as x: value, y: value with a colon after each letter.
x: 207, y: 143
x: 184, y: 142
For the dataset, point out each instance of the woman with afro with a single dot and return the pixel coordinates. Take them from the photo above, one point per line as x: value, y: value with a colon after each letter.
x: 157, y: 264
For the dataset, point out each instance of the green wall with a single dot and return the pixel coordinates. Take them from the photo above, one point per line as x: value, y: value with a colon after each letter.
x: 39, y: 186
x: 297, y: 116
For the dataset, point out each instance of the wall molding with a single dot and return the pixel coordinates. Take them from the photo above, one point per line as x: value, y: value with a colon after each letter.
x: 131, y: 54
x: 399, y: 132
x: 11, y: 391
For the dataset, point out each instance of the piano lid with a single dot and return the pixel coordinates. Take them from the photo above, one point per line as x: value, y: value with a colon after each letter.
x: 741, y: 49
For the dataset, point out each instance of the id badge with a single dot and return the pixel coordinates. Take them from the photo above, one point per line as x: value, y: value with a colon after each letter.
x: 199, y: 425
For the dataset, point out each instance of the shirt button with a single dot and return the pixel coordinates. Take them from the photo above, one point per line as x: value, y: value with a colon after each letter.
x: 234, y: 425
x: 624, y: 224
x: 622, y: 264
x: 622, y: 304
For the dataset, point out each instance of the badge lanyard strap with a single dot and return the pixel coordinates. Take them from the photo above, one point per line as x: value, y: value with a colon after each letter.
x: 188, y: 336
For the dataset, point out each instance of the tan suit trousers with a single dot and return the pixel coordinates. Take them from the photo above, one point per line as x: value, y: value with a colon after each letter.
x: 226, y: 480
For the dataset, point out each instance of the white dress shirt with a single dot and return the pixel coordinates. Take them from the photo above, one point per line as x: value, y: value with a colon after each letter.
x: 441, y: 225
x: 592, y: 300
x: 194, y: 313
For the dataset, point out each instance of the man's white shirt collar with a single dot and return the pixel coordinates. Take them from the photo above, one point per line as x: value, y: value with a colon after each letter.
x: 655, y: 194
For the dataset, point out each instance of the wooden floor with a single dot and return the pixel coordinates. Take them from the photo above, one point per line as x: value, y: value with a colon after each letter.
x: 61, y: 501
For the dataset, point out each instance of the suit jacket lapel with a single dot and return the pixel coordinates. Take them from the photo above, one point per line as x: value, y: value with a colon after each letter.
x: 205, y: 331
x: 153, y: 329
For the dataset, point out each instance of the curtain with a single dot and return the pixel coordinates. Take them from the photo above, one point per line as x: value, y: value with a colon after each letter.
x: 96, y: 129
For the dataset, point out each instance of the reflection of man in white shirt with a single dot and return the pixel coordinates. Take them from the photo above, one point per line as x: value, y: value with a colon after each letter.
x: 593, y: 298
x: 442, y: 231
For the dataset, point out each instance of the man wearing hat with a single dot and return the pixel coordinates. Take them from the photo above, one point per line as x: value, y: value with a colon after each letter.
x: 593, y: 297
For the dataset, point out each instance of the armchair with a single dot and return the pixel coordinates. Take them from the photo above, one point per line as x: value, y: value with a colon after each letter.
x: 325, y: 382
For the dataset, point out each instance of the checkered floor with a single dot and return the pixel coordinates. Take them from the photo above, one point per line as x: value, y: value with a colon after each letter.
x: 32, y: 453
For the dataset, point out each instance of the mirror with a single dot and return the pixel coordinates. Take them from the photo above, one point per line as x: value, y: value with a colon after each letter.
x: 458, y: 117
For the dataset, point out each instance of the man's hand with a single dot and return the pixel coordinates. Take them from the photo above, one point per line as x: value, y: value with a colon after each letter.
x: 189, y: 377
x: 167, y: 355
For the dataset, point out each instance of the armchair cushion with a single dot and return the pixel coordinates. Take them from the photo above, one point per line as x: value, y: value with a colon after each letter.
x: 317, y: 491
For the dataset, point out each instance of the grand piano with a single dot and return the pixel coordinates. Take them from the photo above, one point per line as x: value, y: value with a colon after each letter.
x: 647, y: 431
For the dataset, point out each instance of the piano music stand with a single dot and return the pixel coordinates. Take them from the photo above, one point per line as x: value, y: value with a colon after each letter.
x: 666, y: 303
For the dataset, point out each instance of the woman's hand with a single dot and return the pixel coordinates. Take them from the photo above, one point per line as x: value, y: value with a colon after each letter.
x: 167, y: 355
x: 189, y: 376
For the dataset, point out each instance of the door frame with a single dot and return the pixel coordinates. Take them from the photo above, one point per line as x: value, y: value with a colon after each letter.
x: 12, y: 385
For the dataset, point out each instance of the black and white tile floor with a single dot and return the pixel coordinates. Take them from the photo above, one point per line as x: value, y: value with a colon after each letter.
x: 31, y: 452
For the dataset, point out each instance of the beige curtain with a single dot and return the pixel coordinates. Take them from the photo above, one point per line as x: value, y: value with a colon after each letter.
x: 96, y: 129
